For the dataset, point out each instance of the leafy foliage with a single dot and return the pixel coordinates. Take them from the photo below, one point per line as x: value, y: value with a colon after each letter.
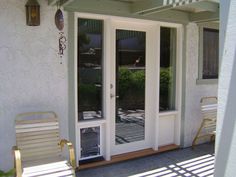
x: 7, y: 174
x: 84, y: 39
x: 165, y: 80
x: 138, y: 79
x: 89, y: 97
x: 124, y: 81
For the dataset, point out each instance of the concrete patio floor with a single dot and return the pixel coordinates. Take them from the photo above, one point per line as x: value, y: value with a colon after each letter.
x: 183, y: 162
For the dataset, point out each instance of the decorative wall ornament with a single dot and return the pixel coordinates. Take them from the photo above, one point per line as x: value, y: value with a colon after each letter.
x: 62, y: 44
x: 32, y: 13
x: 59, y: 22
x: 59, y: 19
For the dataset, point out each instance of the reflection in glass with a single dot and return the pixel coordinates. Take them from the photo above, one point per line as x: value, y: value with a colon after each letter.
x: 167, y: 68
x: 90, y: 142
x: 210, y: 53
x: 130, y: 86
x: 90, y: 35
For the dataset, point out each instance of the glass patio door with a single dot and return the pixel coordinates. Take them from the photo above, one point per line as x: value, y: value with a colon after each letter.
x: 130, y: 126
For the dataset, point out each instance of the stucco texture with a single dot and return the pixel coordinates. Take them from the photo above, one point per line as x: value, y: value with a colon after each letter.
x: 194, y: 92
x: 31, y: 76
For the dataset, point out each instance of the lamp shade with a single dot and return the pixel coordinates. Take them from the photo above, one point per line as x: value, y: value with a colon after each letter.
x: 32, y: 13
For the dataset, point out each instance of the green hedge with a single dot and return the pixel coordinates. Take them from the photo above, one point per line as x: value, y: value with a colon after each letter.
x: 131, y: 86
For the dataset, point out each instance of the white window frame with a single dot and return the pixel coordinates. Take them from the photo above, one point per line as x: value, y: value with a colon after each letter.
x: 105, y: 123
x: 200, y: 79
x: 91, y: 124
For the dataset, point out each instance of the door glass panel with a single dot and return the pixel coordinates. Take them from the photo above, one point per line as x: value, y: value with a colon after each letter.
x: 90, y: 50
x: 130, y: 86
x: 167, y: 68
x: 210, y: 53
x: 90, y: 142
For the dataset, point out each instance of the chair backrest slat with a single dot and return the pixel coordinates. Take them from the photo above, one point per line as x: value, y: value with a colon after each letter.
x: 37, y: 135
x: 209, y: 113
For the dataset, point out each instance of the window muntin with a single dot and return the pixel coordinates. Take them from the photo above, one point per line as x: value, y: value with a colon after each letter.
x: 90, y: 59
x: 167, y: 68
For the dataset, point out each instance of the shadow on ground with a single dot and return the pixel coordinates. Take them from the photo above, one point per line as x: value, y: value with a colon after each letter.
x: 183, y: 162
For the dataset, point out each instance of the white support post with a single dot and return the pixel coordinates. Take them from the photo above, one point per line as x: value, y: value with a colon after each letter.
x: 225, y: 164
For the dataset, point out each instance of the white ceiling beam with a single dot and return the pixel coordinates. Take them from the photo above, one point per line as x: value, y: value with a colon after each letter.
x: 216, y: 1
x: 153, y: 6
x: 60, y: 2
x: 52, y: 2
x: 204, y: 17
x: 141, y: 7
x: 205, y: 6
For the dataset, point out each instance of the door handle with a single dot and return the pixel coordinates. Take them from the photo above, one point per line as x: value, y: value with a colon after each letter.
x: 113, y: 95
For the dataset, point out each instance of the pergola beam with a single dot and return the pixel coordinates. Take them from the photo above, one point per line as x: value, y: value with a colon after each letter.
x: 148, y: 6
x: 59, y: 2
x: 204, y: 17
x: 153, y: 6
x: 205, y: 6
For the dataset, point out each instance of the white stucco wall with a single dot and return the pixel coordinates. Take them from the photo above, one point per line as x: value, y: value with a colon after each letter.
x: 31, y: 76
x: 194, y: 92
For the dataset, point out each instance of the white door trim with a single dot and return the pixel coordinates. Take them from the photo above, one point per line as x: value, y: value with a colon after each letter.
x: 151, y: 83
x: 108, y: 20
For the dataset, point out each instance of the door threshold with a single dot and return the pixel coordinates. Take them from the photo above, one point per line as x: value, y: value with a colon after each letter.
x: 129, y: 156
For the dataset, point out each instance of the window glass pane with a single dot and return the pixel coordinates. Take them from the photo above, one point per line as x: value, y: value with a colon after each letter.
x: 210, y: 53
x: 167, y: 68
x: 90, y: 54
x: 130, y: 86
x: 90, y: 142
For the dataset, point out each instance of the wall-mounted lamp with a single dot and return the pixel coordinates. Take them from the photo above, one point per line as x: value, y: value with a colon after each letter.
x: 32, y: 13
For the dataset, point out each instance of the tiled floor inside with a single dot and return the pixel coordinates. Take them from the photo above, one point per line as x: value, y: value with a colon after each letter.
x: 183, y: 162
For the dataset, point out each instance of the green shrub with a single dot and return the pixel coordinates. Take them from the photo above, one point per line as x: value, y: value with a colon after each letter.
x: 7, y: 174
x: 125, y: 79
x: 89, y: 97
x: 138, y: 80
x: 131, y: 86
x: 165, y: 81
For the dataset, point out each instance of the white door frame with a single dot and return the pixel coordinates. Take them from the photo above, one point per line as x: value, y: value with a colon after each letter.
x: 151, y: 82
x: 152, y: 94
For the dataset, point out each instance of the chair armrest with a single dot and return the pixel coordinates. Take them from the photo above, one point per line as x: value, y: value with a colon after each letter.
x: 71, y: 151
x: 17, y: 161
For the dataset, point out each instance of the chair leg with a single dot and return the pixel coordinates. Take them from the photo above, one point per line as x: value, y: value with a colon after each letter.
x: 194, y: 142
x: 196, y: 137
x: 212, y: 138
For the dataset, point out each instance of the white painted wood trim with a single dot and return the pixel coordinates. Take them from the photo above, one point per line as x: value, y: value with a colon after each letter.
x: 105, y: 129
x: 101, y: 138
x: 151, y: 71
x: 166, y: 113
x: 108, y: 37
x: 93, y: 123
x: 179, y: 55
x: 157, y: 83
x: 107, y: 87
x: 77, y: 142
x: 126, y: 19
x: 201, y: 27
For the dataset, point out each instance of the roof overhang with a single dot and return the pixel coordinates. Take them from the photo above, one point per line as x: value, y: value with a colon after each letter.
x: 180, y: 10
x: 59, y: 2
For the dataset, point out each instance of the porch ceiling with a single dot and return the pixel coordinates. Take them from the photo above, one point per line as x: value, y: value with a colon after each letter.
x: 170, y: 10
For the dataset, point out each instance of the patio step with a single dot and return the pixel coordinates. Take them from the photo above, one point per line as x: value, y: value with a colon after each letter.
x: 129, y: 156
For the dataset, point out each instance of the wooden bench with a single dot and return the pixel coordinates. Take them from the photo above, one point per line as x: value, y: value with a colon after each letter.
x: 39, y: 149
x: 209, y: 114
